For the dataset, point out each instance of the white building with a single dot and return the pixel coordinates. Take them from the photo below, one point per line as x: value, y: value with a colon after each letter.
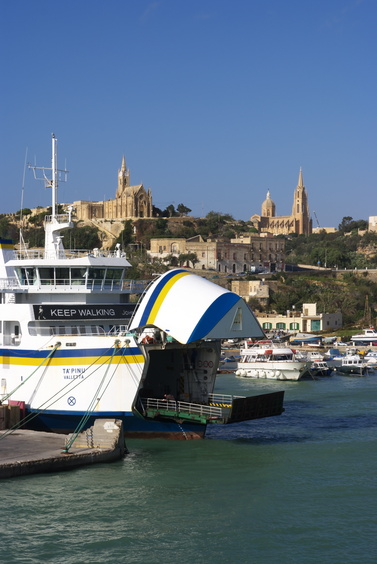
x: 308, y: 321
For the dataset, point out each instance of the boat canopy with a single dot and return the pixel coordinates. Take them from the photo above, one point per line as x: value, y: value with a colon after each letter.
x: 188, y: 308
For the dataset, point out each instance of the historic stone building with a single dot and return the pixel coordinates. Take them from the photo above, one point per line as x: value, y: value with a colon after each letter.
x: 298, y: 222
x: 247, y: 253
x: 131, y: 202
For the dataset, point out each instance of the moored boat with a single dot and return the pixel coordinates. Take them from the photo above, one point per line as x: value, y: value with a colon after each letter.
x: 320, y: 368
x: 368, y: 337
x: 266, y: 359
x: 229, y: 363
x: 349, y: 364
x: 371, y: 360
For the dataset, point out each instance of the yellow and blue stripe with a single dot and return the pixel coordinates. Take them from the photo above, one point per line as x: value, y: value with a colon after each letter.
x: 68, y: 358
x: 158, y: 295
x: 6, y: 244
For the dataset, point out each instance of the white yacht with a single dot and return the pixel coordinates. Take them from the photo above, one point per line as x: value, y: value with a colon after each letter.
x: 368, y: 337
x: 266, y: 359
x: 73, y: 348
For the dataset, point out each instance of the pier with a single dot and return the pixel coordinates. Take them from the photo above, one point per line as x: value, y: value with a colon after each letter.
x: 24, y: 452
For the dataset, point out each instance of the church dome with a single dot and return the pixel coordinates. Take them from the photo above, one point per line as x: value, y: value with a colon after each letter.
x: 268, y: 206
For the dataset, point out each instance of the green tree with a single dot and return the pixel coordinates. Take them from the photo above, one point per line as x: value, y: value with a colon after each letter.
x: 183, y: 210
x: 85, y: 237
x: 126, y: 236
x: 170, y: 211
x: 187, y: 258
x: 171, y: 260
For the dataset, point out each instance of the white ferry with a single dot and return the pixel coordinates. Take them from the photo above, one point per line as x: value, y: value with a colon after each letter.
x: 73, y: 349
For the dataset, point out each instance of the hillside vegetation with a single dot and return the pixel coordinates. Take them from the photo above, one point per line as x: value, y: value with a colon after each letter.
x: 349, y: 248
x: 353, y: 294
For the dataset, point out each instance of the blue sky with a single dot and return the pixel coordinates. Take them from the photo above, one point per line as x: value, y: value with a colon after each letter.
x: 213, y: 102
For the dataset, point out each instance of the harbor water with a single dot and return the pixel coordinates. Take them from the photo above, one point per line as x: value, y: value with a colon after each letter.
x: 299, y: 488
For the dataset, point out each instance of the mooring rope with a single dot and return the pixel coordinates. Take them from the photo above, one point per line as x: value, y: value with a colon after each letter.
x: 89, y: 411
x: 58, y: 344
x: 46, y: 404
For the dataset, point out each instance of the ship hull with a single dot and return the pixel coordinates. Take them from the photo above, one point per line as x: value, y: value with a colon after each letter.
x: 135, y: 427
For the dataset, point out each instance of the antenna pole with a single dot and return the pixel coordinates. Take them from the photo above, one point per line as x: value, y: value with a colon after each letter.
x: 56, y: 175
x: 54, y: 181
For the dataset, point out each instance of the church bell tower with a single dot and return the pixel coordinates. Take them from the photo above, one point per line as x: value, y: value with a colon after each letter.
x: 123, y: 178
x: 300, y: 209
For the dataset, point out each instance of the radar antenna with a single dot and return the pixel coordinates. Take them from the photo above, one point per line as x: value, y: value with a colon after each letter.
x: 57, y: 175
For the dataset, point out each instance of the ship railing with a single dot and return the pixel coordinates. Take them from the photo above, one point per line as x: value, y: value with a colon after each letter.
x: 60, y: 218
x: 79, y: 284
x: 198, y: 409
x: 9, y: 283
x: 23, y: 254
x: 120, y: 331
x: 109, y: 285
x: 222, y: 399
x: 42, y: 328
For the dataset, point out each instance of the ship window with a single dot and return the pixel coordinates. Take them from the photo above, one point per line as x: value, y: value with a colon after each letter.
x: 114, y: 273
x: 96, y: 274
x: 46, y: 275
x: 12, y: 333
x: 78, y: 276
x: 27, y: 275
x: 62, y: 275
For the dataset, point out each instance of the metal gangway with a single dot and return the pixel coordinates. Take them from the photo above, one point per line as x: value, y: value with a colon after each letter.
x: 172, y: 409
x: 220, y: 408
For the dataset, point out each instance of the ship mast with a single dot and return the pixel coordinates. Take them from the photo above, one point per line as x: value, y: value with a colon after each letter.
x: 54, y: 223
x: 56, y: 175
x: 54, y: 181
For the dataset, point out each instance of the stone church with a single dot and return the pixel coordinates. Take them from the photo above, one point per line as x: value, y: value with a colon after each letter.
x: 298, y: 222
x: 131, y: 202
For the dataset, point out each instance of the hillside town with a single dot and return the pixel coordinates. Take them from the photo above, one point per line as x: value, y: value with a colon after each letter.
x: 253, y: 258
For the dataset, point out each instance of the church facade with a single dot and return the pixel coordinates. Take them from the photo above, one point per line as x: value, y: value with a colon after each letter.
x: 131, y: 202
x: 298, y: 222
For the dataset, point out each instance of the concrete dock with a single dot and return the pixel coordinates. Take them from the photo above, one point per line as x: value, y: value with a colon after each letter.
x: 24, y: 452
